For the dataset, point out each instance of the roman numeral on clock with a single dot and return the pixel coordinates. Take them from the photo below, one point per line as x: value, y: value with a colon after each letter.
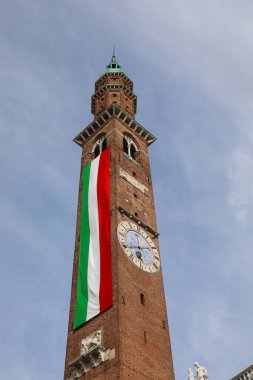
x: 155, y: 266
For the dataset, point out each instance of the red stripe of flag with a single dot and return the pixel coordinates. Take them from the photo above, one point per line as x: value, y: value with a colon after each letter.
x: 103, y: 196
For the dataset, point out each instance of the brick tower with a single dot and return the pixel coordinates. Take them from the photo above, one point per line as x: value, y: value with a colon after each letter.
x: 130, y: 338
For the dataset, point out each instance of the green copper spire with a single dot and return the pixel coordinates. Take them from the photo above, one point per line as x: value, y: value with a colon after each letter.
x: 113, y: 66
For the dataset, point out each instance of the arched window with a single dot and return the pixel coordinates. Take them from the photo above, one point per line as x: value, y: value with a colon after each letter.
x: 129, y: 147
x: 125, y: 146
x: 133, y: 151
x: 99, y: 146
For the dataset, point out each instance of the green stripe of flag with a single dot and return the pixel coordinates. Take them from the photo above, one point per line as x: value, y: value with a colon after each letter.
x: 82, y: 284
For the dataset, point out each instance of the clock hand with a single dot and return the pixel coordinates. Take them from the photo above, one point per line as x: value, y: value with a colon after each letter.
x: 139, y: 255
x: 138, y: 240
x: 138, y: 247
x: 144, y: 247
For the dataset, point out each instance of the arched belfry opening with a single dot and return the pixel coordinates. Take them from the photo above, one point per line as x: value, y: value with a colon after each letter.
x: 99, y: 145
x: 129, y: 147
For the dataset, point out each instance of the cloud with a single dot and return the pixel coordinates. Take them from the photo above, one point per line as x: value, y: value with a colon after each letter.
x: 191, y: 63
x: 240, y: 198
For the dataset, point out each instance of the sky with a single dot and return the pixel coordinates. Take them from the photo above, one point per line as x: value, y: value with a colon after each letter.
x: 191, y: 63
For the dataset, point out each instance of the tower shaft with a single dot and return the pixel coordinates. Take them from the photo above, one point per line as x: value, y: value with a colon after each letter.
x: 130, y: 339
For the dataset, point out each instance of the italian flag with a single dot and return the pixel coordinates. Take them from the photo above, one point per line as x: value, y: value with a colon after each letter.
x: 94, y: 283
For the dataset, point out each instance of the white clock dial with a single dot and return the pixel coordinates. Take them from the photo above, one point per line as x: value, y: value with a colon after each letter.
x: 138, y: 246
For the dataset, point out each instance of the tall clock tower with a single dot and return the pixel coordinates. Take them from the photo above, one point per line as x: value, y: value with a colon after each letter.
x: 118, y: 327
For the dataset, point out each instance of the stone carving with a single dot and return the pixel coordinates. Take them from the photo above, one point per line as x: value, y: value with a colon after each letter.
x: 201, y: 373
x: 92, y: 354
x: 91, y: 342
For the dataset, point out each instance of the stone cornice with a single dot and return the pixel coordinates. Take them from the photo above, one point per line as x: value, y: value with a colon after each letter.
x: 128, y: 81
x: 114, y: 111
x: 114, y: 86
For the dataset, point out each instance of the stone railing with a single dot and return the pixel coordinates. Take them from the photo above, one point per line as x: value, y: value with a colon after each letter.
x: 247, y: 374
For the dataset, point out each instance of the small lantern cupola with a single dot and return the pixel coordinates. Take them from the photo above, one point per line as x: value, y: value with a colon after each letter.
x: 113, y: 66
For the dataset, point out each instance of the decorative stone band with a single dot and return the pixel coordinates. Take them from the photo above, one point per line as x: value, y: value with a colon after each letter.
x: 123, y: 211
x: 92, y: 354
x: 133, y: 181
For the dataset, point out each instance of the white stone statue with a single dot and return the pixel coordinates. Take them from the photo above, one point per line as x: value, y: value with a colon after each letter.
x: 190, y: 374
x: 201, y: 372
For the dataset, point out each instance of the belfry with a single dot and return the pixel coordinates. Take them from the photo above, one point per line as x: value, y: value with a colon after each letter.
x: 118, y: 327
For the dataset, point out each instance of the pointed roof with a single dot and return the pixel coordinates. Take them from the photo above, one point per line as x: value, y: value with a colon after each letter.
x: 113, y: 66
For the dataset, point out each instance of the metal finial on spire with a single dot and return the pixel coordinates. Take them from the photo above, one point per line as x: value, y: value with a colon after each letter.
x: 113, y: 66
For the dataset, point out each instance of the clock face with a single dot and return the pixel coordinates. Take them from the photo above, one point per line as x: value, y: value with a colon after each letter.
x: 138, y: 246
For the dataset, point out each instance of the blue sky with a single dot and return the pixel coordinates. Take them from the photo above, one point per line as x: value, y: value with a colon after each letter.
x: 191, y: 63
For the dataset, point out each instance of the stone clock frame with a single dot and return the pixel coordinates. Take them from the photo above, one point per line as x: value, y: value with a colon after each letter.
x: 150, y: 266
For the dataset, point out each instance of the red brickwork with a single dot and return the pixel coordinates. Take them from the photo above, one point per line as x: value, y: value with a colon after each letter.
x: 138, y: 332
x: 113, y: 88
